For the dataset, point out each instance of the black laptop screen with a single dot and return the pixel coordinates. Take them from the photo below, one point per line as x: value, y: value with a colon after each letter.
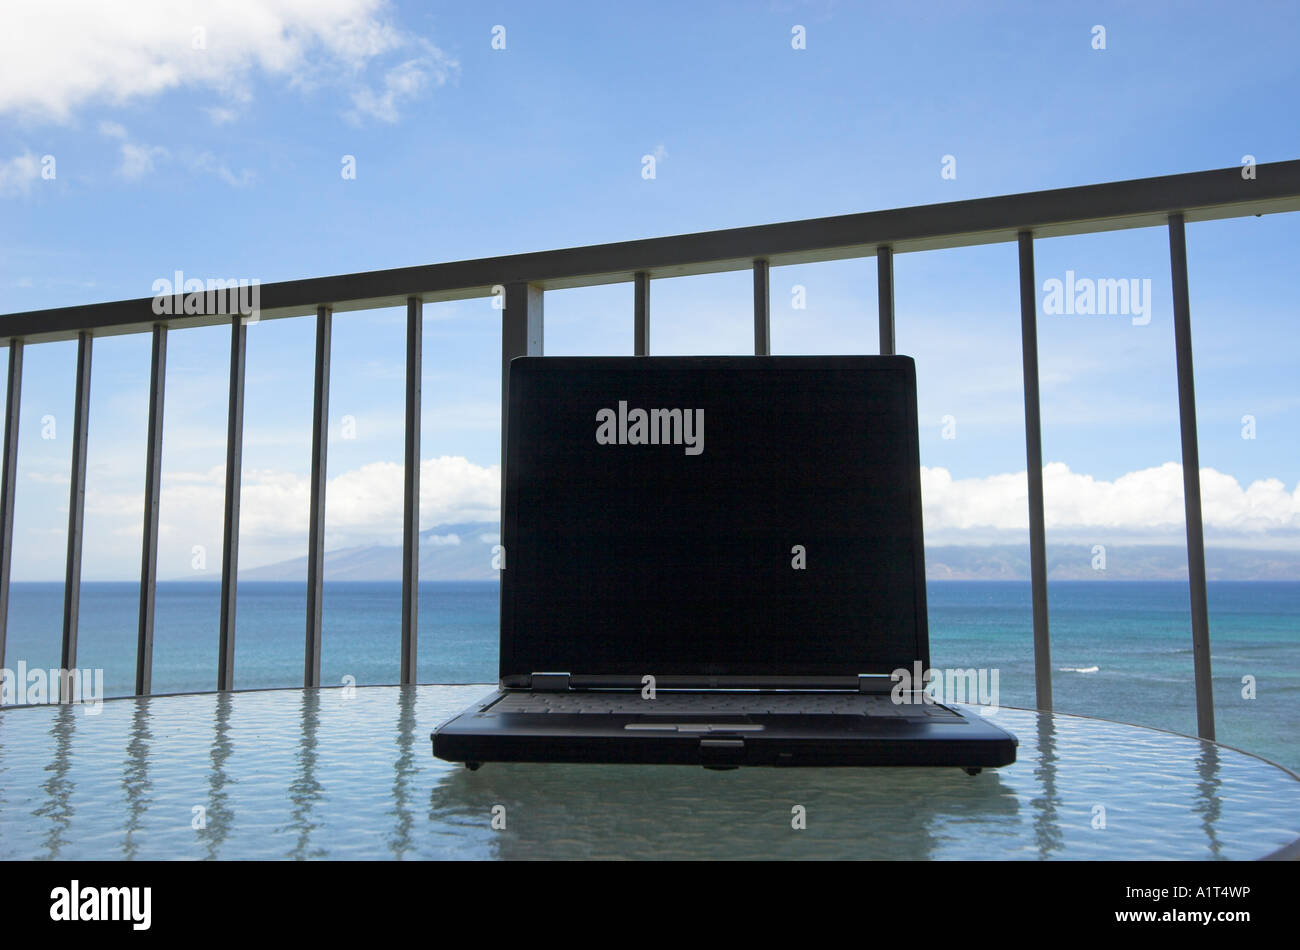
x: 712, y: 516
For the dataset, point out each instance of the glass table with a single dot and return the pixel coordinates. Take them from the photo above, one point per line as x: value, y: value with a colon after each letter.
x: 349, y: 773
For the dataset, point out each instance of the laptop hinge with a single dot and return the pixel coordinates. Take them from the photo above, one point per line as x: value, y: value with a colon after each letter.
x: 549, y: 682
x: 874, y: 683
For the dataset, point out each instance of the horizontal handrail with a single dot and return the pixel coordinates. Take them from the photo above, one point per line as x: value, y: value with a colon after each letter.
x: 1138, y: 203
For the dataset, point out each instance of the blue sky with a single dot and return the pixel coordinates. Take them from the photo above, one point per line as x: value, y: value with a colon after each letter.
x: 225, y: 162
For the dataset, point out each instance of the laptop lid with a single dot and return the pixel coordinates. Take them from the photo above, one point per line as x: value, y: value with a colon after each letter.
x: 744, y: 520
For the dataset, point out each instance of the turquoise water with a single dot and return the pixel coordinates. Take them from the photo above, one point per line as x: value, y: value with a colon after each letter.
x: 1136, y: 634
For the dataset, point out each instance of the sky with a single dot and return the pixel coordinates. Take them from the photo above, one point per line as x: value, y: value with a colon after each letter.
x: 138, y: 139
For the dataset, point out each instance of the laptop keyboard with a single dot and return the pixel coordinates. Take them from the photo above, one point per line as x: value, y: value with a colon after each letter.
x: 710, y: 704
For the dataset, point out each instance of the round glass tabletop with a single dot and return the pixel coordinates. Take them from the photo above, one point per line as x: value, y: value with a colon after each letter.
x: 337, y: 773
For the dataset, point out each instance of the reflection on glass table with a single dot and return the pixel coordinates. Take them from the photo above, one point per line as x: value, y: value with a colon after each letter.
x: 336, y: 773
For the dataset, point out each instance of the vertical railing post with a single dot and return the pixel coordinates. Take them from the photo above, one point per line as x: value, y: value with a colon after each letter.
x: 521, y: 335
x: 641, y: 314
x: 8, y: 470
x: 411, y: 491
x: 1191, y: 480
x: 762, y: 309
x: 152, y: 490
x: 230, y: 521
x: 76, y: 515
x: 1034, y: 469
x: 885, y: 298
x: 320, y: 421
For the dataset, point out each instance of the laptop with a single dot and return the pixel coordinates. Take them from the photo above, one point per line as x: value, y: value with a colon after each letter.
x: 714, y: 561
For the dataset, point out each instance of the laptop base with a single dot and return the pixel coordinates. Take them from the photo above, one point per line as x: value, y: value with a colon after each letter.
x: 964, y: 740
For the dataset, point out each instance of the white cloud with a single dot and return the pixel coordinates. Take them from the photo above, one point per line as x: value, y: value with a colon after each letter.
x: 19, y: 174
x: 57, y: 56
x: 221, y: 115
x: 364, y: 506
x: 442, y: 540
x: 209, y: 163
x: 138, y: 160
x: 1147, y: 503
x: 401, y: 84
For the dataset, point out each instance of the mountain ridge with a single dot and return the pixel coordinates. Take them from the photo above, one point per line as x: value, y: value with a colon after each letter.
x: 464, y: 551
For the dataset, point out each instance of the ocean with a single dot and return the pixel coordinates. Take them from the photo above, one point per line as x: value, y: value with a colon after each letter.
x: 1120, y: 649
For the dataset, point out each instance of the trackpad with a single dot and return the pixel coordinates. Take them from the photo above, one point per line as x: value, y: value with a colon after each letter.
x: 694, y: 727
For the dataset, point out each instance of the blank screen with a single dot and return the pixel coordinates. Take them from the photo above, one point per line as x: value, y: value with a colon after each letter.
x: 779, y: 537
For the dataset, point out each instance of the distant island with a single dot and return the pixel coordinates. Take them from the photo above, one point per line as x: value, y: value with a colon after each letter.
x: 449, y: 552
x: 463, y: 552
x: 1133, y: 562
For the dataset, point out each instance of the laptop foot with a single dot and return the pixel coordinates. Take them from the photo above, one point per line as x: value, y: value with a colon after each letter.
x: 972, y: 770
x: 473, y: 766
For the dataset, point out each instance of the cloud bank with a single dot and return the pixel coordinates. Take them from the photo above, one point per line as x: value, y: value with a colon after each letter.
x: 58, y: 55
x: 1142, y: 505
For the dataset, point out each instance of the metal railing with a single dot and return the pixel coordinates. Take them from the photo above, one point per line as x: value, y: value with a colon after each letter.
x: 523, y: 279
